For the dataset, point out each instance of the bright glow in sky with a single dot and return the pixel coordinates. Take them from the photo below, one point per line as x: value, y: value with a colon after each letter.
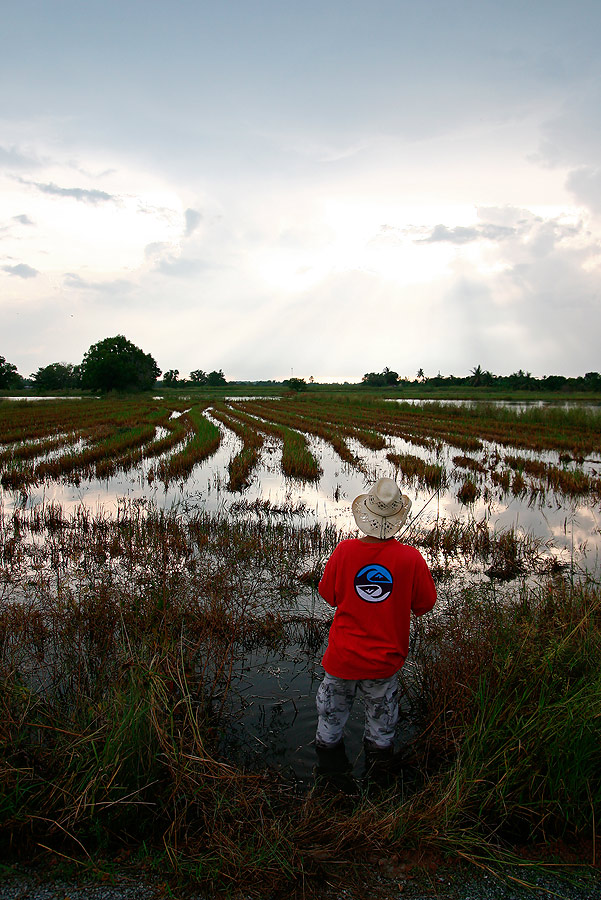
x: 332, y: 188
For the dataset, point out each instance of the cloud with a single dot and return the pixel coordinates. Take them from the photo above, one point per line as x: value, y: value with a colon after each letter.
x: 23, y: 220
x: 116, y: 286
x: 157, y: 249
x: 193, y: 219
x: 585, y: 184
x: 181, y: 268
x: 508, y: 216
x: 165, y: 260
x: 81, y: 194
x: 572, y: 140
x: 463, y: 235
x: 11, y: 158
x: 21, y: 271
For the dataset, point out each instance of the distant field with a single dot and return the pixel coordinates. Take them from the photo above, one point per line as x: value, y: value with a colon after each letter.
x: 402, y: 391
x: 90, y: 438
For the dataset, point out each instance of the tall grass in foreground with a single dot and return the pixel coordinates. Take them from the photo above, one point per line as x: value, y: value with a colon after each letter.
x: 513, y: 695
x: 117, y: 642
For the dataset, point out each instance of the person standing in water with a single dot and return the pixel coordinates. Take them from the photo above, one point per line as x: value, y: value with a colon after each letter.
x: 375, y: 583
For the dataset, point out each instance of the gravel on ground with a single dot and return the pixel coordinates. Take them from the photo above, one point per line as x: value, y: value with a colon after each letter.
x: 383, y: 883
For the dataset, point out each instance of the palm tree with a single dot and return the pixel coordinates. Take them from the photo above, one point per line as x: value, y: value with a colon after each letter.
x: 477, y: 374
x: 420, y: 375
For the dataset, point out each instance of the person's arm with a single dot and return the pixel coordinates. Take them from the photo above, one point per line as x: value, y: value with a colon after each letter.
x: 424, y: 590
x: 327, y: 585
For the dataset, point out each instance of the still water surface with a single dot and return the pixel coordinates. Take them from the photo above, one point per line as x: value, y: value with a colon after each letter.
x: 272, y: 698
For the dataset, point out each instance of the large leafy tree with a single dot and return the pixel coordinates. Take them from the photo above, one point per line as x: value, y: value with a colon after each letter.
x: 115, y: 364
x: 216, y: 377
x: 57, y: 376
x: 296, y: 384
x: 9, y: 377
x: 386, y: 378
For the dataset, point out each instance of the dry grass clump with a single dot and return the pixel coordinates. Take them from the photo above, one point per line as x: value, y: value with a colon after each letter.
x: 472, y: 544
x: 115, y: 661
x: 570, y: 482
x: 468, y: 492
x: 431, y: 475
x: 467, y: 462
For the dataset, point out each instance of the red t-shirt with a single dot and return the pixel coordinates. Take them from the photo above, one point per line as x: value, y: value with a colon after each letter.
x: 374, y: 587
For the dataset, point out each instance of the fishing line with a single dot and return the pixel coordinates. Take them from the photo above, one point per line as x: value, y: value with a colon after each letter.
x: 427, y: 503
x: 415, y: 518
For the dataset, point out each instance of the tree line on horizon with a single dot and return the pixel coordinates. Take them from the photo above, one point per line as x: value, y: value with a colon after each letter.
x: 113, y: 364
x: 479, y: 377
x: 116, y: 364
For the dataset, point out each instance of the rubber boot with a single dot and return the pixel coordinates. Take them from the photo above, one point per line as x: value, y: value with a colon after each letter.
x: 333, y: 770
x: 379, y: 765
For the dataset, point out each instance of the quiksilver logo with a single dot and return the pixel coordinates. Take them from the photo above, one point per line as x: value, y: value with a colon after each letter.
x: 373, y: 583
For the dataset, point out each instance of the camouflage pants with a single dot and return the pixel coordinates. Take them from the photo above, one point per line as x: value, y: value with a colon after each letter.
x: 335, y: 698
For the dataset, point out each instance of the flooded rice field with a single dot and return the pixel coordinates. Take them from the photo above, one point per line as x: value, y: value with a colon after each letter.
x: 499, y: 496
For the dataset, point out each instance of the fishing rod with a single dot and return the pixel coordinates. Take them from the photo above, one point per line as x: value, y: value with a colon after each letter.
x: 427, y: 503
x: 415, y: 518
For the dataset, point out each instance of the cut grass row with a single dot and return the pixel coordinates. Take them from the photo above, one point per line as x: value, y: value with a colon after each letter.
x: 74, y: 465
x: 116, y: 435
x: 204, y: 441
x: 125, y: 437
x: 240, y: 466
x: 297, y: 460
x: 21, y: 422
x: 291, y: 418
x: 573, y: 431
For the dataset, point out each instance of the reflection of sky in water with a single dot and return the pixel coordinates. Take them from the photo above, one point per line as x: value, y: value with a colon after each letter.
x: 519, y: 405
x: 567, y: 522
x: 273, y: 694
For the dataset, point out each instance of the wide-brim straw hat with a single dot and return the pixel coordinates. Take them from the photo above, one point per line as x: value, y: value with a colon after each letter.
x: 382, y: 511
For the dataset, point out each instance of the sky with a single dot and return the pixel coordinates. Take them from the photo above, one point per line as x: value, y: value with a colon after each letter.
x: 325, y: 189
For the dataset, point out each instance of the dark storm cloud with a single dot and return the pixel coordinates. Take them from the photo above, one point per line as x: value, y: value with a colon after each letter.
x: 21, y: 271
x: 81, y: 194
x: 23, y: 220
x: 193, y: 218
x: 462, y: 235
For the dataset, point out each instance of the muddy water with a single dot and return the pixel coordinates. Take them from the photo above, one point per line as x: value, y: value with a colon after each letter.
x: 567, y: 523
x: 272, y: 706
x: 271, y: 703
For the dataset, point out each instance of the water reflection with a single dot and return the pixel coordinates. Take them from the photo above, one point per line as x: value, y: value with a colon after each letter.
x: 271, y: 704
x: 567, y: 523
